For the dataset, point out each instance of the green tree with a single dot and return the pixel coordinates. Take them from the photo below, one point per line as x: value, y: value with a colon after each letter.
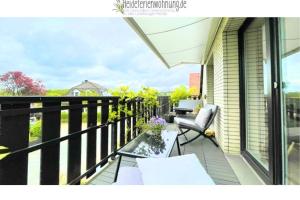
x: 57, y: 92
x: 124, y: 92
x: 179, y: 93
x: 35, y: 130
x: 149, y: 96
x: 16, y: 83
x: 4, y: 93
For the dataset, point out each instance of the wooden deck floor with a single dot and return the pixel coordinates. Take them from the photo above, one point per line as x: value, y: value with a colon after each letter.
x: 211, y: 157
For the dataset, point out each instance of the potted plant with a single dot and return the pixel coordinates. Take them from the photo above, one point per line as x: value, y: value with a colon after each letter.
x: 155, y: 126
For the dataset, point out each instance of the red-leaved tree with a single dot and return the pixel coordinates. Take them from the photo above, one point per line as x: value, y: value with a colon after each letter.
x: 18, y: 84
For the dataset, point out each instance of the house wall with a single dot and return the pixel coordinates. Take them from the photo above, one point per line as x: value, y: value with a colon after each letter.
x: 224, y: 54
x: 208, y: 84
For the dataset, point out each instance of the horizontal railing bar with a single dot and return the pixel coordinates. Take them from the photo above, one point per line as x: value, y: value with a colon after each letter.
x: 60, y: 139
x: 36, y: 99
x: 56, y: 140
x: 30, y: 99
x: 13, y: 112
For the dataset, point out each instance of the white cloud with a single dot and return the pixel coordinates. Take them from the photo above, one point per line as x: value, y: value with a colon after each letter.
x: 64, y: 52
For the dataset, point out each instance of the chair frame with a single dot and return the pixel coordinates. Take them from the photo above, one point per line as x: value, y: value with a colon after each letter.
x: 181, y: 128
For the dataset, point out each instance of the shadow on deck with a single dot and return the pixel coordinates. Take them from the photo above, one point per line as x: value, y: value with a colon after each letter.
x: 211, y: 157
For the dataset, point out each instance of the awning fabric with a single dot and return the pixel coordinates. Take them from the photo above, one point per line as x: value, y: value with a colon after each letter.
x: 176, y: 40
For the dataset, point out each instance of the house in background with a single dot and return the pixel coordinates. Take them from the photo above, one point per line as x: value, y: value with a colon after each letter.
x: 87, y: 88
x: 194, y: 83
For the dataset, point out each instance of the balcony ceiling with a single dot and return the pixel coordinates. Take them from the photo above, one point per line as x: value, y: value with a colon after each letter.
x: 177, y: 40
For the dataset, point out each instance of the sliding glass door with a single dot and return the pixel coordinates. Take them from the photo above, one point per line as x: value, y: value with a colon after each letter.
x: 256, y: 95
x: 290, y: 75
x: 270, y: 97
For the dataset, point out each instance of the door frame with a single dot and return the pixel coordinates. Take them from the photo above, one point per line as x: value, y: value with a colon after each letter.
x: 274, y: 175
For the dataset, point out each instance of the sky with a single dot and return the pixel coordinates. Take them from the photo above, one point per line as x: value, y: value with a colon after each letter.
x: 291, y: 72
x: 63, y: 52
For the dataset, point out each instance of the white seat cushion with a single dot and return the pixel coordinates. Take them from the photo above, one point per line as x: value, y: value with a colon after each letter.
x: 203, y: 117
x: 179, y: 120
x: 178, y: 170
x: 129, y: 176
x: 187, y: 122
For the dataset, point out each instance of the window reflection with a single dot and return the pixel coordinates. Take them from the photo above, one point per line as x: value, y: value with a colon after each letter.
x: 290, y: 69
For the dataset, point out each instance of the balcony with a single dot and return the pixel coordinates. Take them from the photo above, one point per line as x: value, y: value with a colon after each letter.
x: 211, y: 158
x: 87, y: 150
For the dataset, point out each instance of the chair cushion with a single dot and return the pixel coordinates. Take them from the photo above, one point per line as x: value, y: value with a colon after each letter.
x: 177, y: 170
x: 129, y: 176
x: 187, y: 123
x: 203, y: 117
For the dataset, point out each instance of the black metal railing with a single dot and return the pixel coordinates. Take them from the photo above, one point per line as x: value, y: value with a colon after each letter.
x: 15, y: 113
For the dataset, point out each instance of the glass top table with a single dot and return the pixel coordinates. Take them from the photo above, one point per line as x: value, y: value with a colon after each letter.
x: 146, y: 145
x: 149, y: 146
x: 183, y: 110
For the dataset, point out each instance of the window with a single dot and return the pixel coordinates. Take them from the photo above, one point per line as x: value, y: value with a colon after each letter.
x: 257, y: 91
x: 290, y: 75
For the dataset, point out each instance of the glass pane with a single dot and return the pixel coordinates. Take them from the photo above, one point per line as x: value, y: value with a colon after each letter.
x: 290, y: 69
x: 257, y: 81
x: 146, y: 145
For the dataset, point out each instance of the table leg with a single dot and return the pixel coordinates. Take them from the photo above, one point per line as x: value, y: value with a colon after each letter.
x: 118, y: 167
x: 178, y: 146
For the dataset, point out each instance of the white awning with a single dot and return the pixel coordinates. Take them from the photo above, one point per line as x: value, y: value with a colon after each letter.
x: 177, y: 40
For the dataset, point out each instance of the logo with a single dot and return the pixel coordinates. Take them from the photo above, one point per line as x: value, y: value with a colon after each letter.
x: 148, y: 7
x: 119, y: 7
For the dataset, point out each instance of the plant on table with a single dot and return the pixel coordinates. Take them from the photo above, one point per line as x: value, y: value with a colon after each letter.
x: 155, y: 125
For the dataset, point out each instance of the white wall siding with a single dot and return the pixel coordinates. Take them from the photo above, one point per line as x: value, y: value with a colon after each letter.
x: 219, y: 91
x: 231, y: 92
x: 226, y: 85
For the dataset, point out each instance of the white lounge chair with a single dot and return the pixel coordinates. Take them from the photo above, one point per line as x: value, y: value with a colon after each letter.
x: 202, y: 122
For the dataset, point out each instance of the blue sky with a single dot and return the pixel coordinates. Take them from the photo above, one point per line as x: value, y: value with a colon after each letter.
x: 291, y: 72
x: 62, y: 52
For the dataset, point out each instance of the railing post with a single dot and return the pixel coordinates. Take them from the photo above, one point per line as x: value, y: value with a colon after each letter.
x: 138, y: 113
x: 134, y: 118
x: 154, y: 110
x: 114, y: 128
x: 143, y: 114
x: 74, y: 147
x: 49, y: 174
x: 91, y: 136
x: 149, y: 112
x: 122, y: 123
x: 14, y: 134
x: 104, y: 130
x: 128, y: 121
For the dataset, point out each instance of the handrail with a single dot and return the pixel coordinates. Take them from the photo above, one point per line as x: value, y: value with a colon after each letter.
x: 14, y: 128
